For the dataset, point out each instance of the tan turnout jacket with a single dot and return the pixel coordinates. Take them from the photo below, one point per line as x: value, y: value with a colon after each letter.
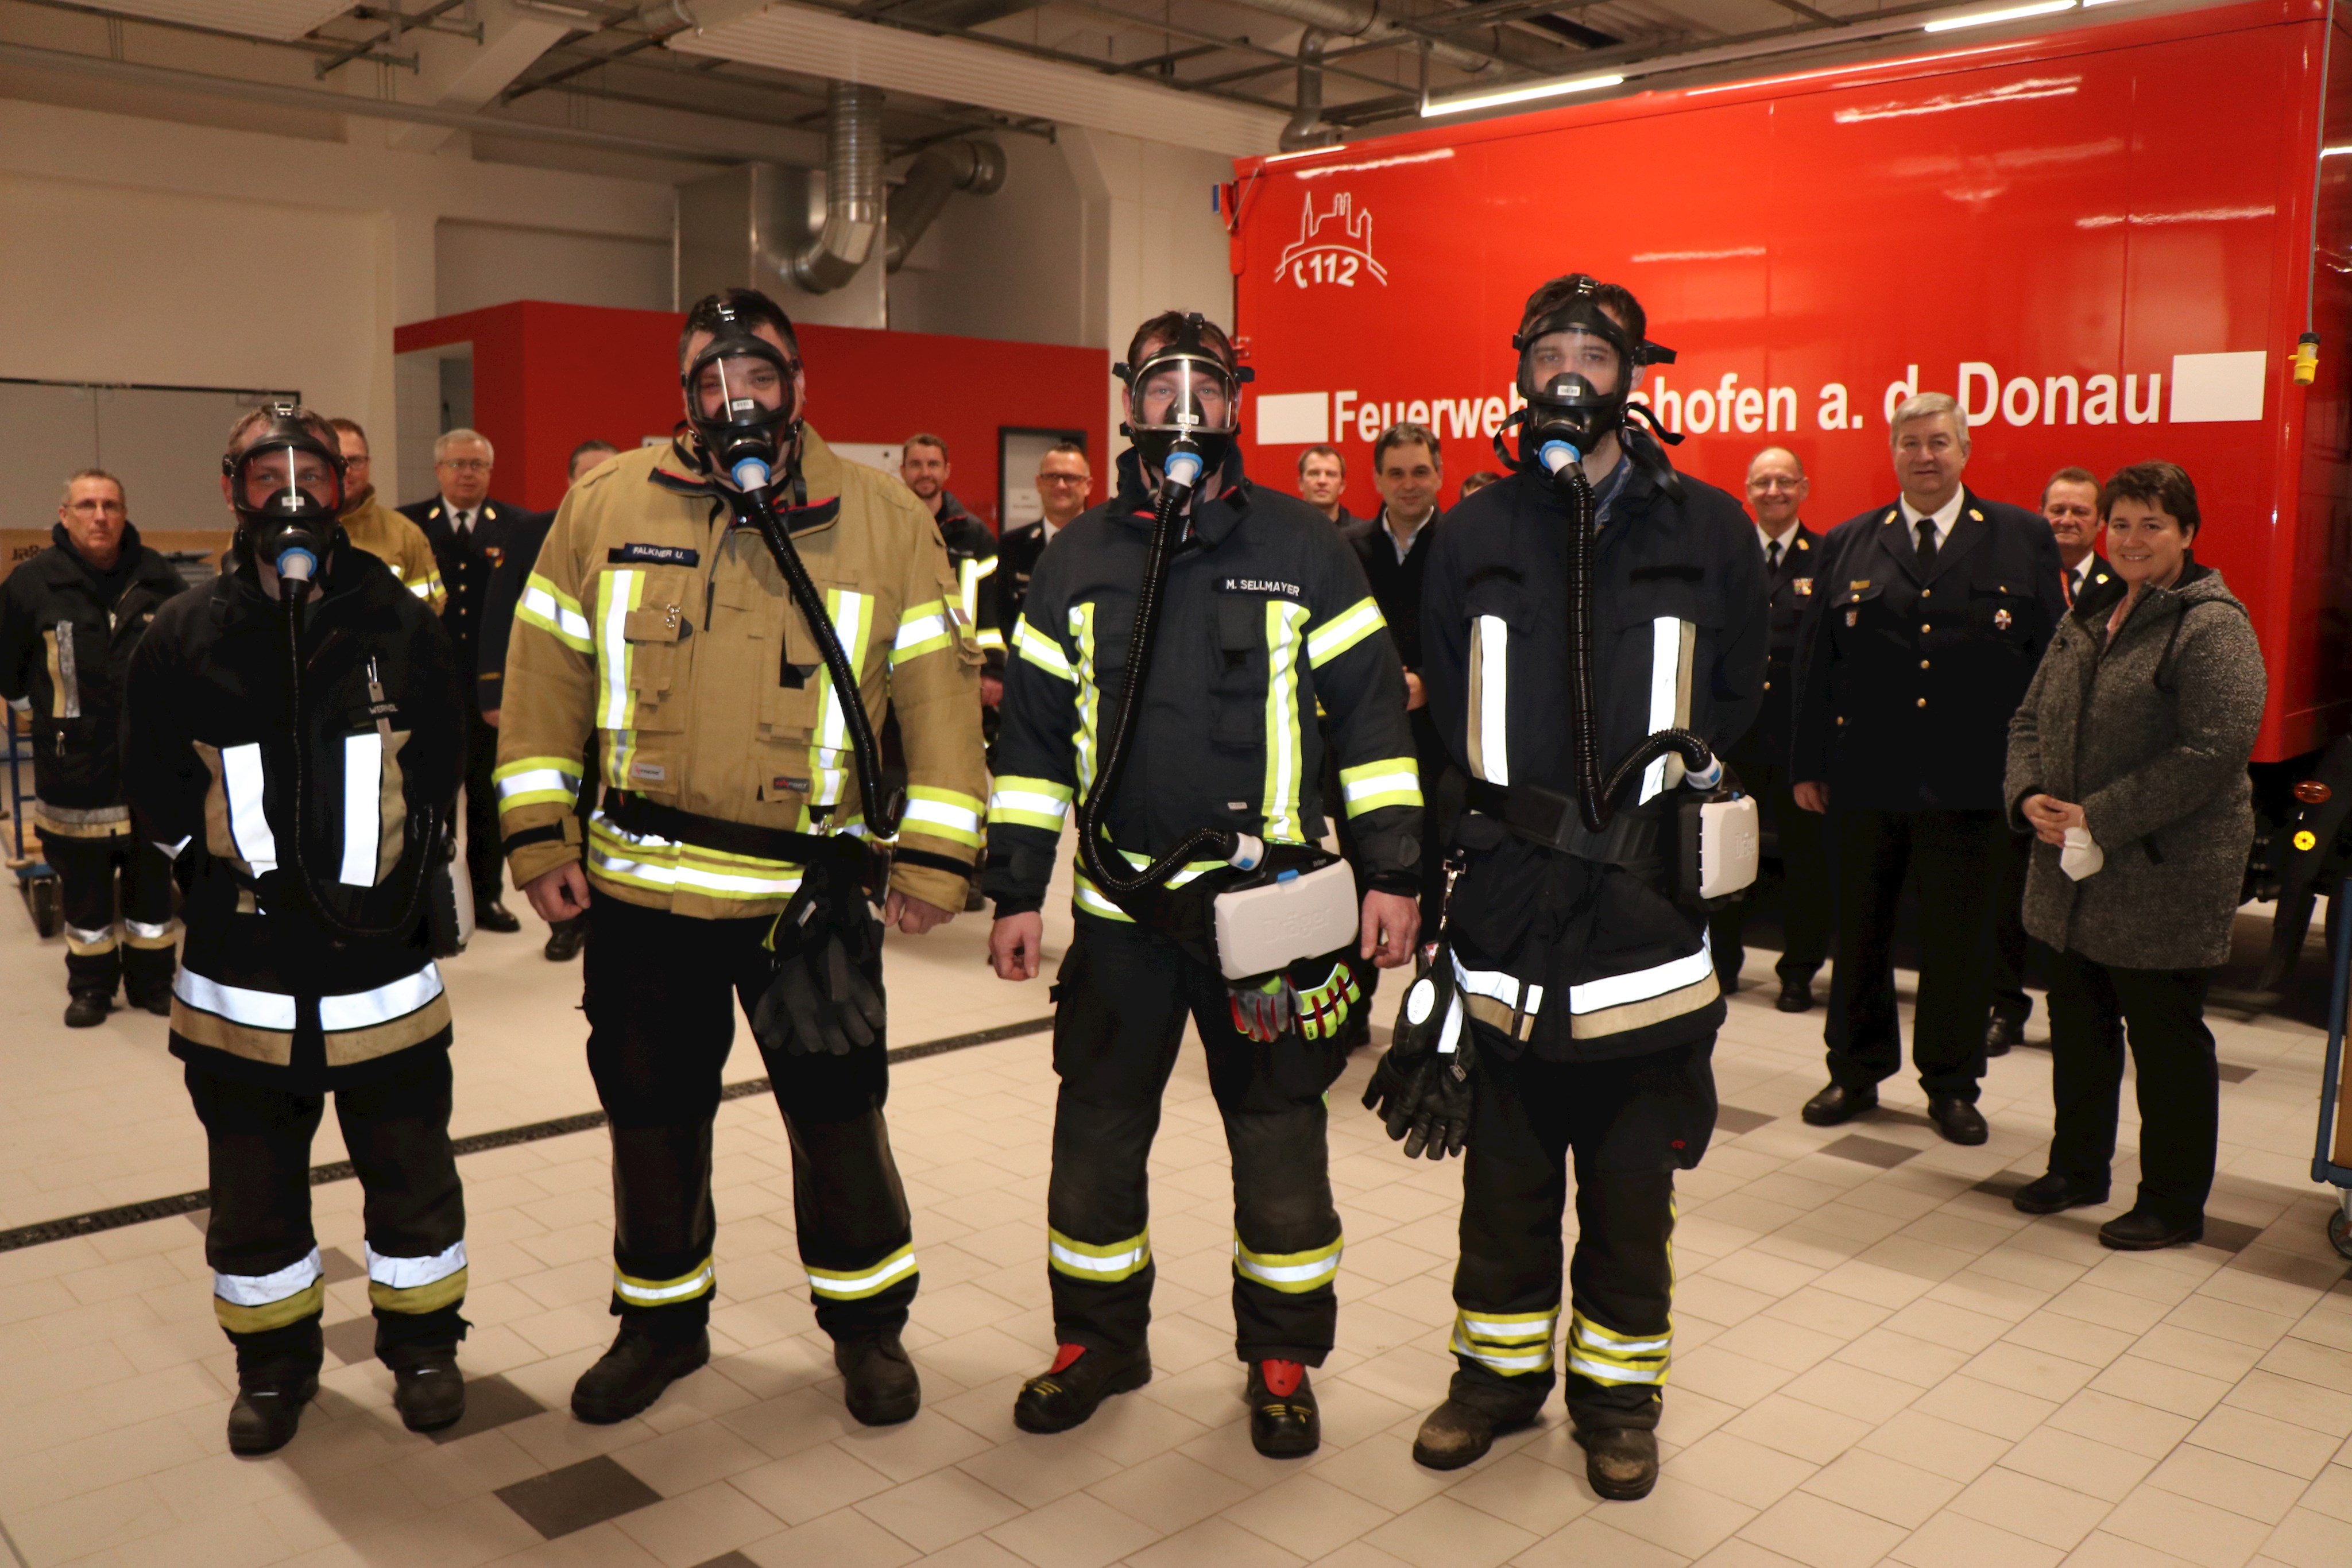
x: 670, y: 639
x: 400, y: 544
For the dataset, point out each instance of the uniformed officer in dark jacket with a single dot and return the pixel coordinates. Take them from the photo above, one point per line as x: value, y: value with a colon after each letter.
x: 1928, y: 615
x: 971, y: 548
x: 1777, y: 490
x: 303, y: 825
x: 471, y: 535
x: 1065, y: 479
x: 69, y: 618
x: 1393, y: 547
x: 1583, y: 1000
x: 1265, y: 615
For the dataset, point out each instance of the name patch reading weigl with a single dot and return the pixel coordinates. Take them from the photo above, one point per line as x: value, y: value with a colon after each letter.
x: 657, y: 555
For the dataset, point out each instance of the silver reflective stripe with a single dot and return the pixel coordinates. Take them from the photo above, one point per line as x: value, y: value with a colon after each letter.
x: 89, y: 937
x: 1504, y: 989
x: 84, y: 816
x: 629, y: 1290
x: 260, y: 1290
x: 241, y: 778
x: 151, y: 933
x: 362, y: 808
x: 1642, y: 984
x: 1492, y: 717
x: 172, y: 851
x: 254, y: 1009
x: 69, y: 680
x: 407, y: 1273
x: 1665, y: 679
x: 365, y: 1009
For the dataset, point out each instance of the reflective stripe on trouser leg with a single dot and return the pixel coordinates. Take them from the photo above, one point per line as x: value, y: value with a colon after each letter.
x: 632, y: 1290
x: 415, y: 1285
x: 255, y: 1303
x: 1620, y: 1290
x: 665, y: 1224
x: 1098, y: 1264
x: 859, y: 1284
x: 1293, y: 1273
x: 849, y: 1207
x: 1286, y: 1242
x: 1508, y: 1345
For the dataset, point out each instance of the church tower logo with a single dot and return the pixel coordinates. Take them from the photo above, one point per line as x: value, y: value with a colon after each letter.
x: 1335, y: 248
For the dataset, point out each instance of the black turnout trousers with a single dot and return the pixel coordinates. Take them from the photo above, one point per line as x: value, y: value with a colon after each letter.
x: 1122, y: 996
x: 1957, y: 857
x: 1804, y: 885
x: 397, y: 1130
x: 107, y: 944
x: 661, y: 991
x: 1628, y: 1125
x: 2092, y: 1007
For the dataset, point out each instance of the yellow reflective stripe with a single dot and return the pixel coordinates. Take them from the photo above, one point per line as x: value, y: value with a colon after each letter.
x: 1392, y: 781
x: 661, y: 866
x: 1085, y: 895
x: 1511, y: 1344
x: 851, y: 1285
x: 1042, y: 650
x: 921, y: 630
x: 1486, y: 738
x: 990, y: 638
x: 1103, y: 1265
x: 1283, y: 620
x: 853, y: 621
x: 695, y: 1281
x: 1605, y: 1355
x: 1343, y: 632
x: 617, y: 593
x: 551, y: 610
x: 1029, y: 802
x: 431, y: 592
x: 942, y: 814
x: 310, y: 1302
x: 1293, y: 1273
x: 249, y: 1303
x: 535, y: 780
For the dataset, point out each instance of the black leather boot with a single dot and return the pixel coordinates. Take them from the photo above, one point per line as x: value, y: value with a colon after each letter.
x: 1620, y: 1462
x: 1837, y: 1104
x: 268, y: 1409
x: 427, y: 1389
x: 632, y: 1375
x: 1285, y: 1423
x: 1453, y: 1435
x: 878, y: 1382
x: 1069, y: 1393
x: 2051, y: 1193
x: 87, y: 1009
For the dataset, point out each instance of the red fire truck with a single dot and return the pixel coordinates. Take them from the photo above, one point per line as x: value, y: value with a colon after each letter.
x: 2108, y: 242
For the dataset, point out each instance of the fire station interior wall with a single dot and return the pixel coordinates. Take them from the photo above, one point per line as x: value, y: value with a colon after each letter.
x: 548, y: 376
x: 476, y: 264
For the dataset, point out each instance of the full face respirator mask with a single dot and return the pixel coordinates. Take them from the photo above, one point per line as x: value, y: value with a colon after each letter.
x: 1567, y: 356
x: 287, y: 488
x: 1267, y: 905
x: 742, y: 400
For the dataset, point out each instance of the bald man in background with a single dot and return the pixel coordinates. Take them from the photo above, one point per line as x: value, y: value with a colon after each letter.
x: 1776, y: 491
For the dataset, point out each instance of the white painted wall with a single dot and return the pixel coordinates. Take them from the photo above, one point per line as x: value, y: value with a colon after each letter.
x: 138, y: 250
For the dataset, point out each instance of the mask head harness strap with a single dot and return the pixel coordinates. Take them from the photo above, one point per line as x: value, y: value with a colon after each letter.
x: 287, y: 486
x: 1183, y: 403
x: 1567, y: 416
x: 742, y: 396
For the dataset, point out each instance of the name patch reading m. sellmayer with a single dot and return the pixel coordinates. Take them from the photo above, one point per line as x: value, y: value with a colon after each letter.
x: 1261, y: 585
x: 657, y: 555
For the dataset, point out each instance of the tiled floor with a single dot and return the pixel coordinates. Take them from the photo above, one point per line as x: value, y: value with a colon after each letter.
x: 1877, y: 1358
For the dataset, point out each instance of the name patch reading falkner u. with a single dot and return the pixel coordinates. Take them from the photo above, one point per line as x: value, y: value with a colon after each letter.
x: 1261, y: 585
x: 654, y: 555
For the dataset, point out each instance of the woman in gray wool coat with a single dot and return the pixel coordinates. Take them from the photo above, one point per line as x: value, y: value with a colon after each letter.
x: 2127, y: 762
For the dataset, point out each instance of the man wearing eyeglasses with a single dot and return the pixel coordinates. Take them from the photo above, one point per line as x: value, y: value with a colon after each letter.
x: 471, y: 534
x: 1778, y: 489
x: 1065, y: 480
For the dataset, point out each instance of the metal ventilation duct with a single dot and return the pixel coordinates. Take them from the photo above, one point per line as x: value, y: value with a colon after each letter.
x: 976, y: 166
x: 852, y: 190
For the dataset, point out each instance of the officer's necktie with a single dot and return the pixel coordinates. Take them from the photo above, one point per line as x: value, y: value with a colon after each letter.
x: 461, y: 518
x: 2072, y: 583
x: 1926, y: 546
x: 1772, y: 556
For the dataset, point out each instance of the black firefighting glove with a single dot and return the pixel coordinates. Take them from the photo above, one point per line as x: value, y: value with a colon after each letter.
x: 1420, y: 1092
x: 819, y: 1000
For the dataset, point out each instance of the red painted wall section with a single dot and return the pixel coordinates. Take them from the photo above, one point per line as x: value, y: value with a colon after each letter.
x: 548, y: 377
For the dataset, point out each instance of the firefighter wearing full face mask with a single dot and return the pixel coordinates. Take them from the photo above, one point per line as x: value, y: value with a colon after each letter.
x: 1570, y: 1010
x: 292, y: 738
x: 1163, y: 683
x: 729, y: 618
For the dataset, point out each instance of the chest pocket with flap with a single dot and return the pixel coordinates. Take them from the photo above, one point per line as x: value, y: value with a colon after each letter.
x: 1237, y: 718
x: 641, y: 672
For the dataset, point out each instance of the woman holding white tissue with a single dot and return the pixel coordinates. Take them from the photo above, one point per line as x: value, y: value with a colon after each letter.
x: 2127, y: 762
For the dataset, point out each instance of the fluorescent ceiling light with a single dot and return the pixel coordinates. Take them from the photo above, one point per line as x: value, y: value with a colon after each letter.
x: 1555, y: 87
x: 2009, y: 14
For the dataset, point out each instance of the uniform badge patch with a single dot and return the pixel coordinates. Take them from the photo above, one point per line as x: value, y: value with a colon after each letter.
x: 2002, y: 619
x: 654, y: 555
x: 495, y: 554
x: 1803, y: 585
